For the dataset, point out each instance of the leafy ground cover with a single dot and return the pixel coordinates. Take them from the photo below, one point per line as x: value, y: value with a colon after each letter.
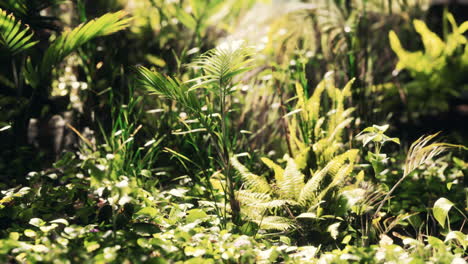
x: 232, y: 132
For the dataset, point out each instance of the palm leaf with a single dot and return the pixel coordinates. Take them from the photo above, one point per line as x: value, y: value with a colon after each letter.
x: 166, y: 86
x: 14, y: 36
x: 71, y: 40
x: 221, y: 64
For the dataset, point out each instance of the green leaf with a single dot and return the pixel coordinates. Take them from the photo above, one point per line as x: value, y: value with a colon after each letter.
x: 37, y: 222
x: 346, y: 239
x: 60, y: 221
x: 14, y: 235
x: 69, y: 41
x: 458, y: 236
x: 148, y: 211
x: 436, y: 243
x: 145, y: 228
x: 14, y: 36
x: 29, y: 233
x: 333, y: 230
x: 441, y: 209
x: 48, y: 228
x: 195, y: 214
x: 249, y: 228
x: 91, y: 246
x: 307, y: 215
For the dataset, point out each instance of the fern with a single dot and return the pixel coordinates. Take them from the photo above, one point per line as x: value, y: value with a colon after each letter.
x: 277, y: 169
x: 71, y: 40
x: 275, y: 223
x: 253, y: 182
x: 289, y: 189
x: 311, y: 130
x: 14, y: 36
x: 438, y: 71
x: 333, y: 168
x: 311, y: 134
x: 293, y: 181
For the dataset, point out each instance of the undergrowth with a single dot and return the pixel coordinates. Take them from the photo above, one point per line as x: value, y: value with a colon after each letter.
x: 215, y: 132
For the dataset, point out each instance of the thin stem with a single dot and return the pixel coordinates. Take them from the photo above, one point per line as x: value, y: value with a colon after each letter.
x: 388, y: 194
x: 285, y: 125
x: 15, y: 76
x: 235, y: 208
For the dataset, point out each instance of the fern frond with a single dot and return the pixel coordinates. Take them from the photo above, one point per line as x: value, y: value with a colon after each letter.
x: 339, y: 128
x: 275, y: 167
x: 339, y: 160
x: 249, y: 197
x: 253, y: 182
x: 334, y: 168
x: 261, y: 200
x: 338, y: 179
x: 14, y: 36
x: 313, y: 103
x: 293, y: 181
x: 433, y: 45
x: 221, y: 64
x: 275, y: 223
x: 71, y: 40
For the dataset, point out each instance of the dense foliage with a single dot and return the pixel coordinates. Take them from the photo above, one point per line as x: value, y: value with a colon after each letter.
x: 237, y: 131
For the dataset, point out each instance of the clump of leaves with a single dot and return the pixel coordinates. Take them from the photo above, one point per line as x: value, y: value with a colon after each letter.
x: 438, y: 72
x: 291, y: 195
x: 315, y: 130
x: 299, y: 189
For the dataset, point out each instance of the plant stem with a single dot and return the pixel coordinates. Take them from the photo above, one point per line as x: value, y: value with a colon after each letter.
x: 388, y: 194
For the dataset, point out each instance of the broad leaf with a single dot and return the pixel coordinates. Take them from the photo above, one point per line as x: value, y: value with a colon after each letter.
x: 441, y: 209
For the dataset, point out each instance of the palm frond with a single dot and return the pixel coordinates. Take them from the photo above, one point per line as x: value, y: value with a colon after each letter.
x: 254, y: 182
x: 14, y: 36
x: 221, y: 64
x: 166, y: 86
x: 71, y: 40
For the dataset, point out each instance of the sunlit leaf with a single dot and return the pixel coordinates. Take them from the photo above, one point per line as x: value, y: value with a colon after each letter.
x: 441, y: 208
